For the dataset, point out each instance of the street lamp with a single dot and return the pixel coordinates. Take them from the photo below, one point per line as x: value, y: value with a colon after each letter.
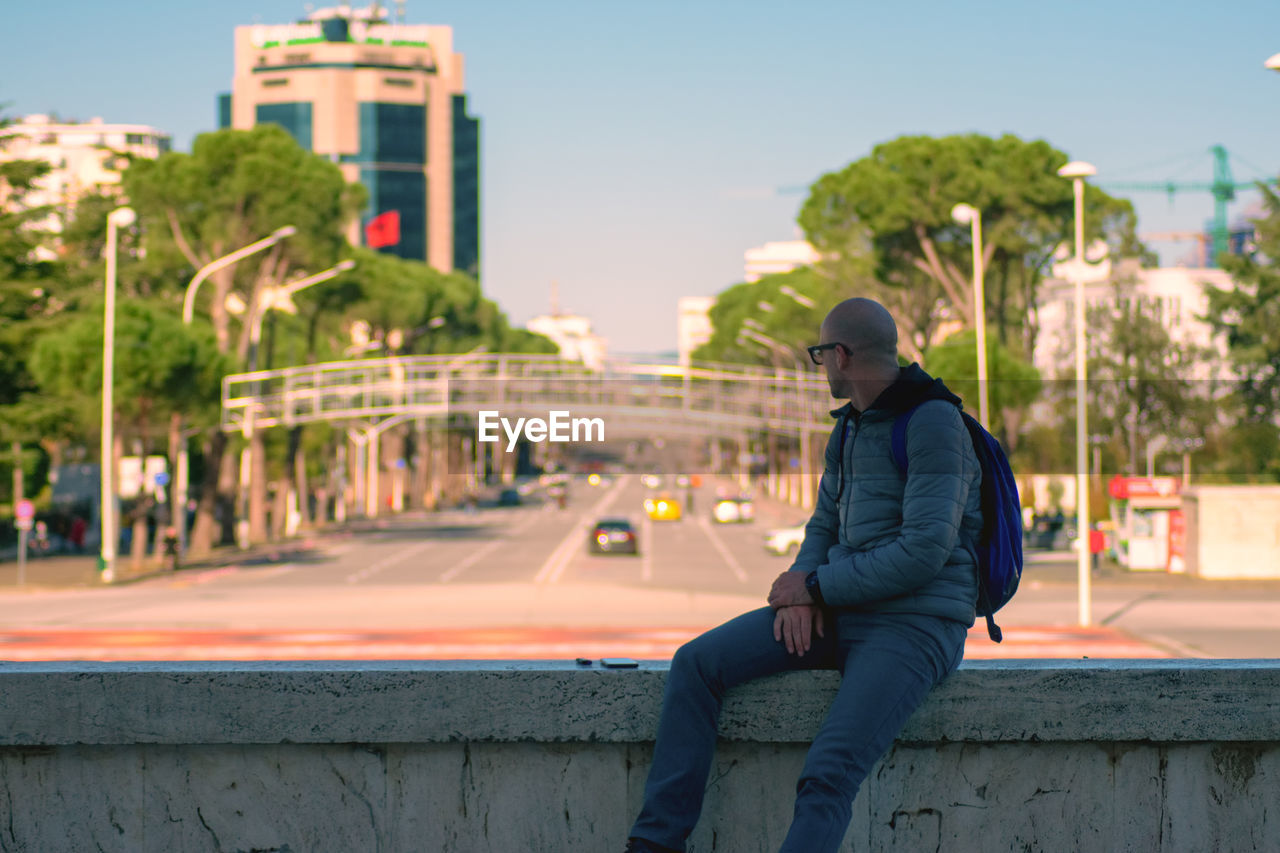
x: 788, y: 290
x: 1080, y: 270
x: 269, y: 297
x: 188, y: 311
x: 775, y: 347
x: 965, y: 214
x: 121, y: 217
x: 280, y: 297
x: 189, y: 301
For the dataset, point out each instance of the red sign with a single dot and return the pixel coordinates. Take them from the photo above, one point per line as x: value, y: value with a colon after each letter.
x: 1144, y: 487
x: 25, y: 509
x: 383, y: 230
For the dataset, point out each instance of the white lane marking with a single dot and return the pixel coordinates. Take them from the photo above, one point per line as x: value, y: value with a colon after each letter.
x: 729, y: 559
x: 481, y: 553
x: 1180, y: 649
x: 556, y: 564
x: 282, y: 569
x: 388, y: 561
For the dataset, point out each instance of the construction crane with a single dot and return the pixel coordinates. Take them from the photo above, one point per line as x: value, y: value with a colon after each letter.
x: 1223, y: 187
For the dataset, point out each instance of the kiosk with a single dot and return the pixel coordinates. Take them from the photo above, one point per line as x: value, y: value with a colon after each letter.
x: 1143, y: 510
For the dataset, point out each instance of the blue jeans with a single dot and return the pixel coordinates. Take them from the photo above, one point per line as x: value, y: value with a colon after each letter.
x: 888, y: 665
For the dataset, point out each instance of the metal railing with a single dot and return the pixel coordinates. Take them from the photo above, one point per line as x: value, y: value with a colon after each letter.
x: 634, y: 397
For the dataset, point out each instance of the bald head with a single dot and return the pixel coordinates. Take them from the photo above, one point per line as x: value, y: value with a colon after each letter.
x: 866, y: 328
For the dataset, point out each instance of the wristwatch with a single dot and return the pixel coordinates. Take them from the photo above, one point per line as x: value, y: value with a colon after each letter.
x: 811, y: 585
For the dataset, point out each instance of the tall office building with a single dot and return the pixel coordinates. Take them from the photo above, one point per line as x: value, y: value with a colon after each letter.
x: 386, y: 102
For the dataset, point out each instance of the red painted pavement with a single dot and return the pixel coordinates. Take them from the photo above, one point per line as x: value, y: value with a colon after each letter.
x: 515, y: 643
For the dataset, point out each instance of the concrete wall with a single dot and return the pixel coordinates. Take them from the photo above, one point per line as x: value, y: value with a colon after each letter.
x: 462, y: 756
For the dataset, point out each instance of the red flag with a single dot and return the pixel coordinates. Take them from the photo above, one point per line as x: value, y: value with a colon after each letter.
x: 383, y: 230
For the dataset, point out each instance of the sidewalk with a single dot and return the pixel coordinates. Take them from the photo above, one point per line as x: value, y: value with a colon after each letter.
x: 70, y: 571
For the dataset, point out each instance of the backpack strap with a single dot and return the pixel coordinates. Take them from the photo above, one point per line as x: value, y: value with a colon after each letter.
x: 898, y: 439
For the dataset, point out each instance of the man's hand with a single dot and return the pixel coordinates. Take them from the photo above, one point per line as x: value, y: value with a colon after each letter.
x: 788, y: 590
x: 795, y: 626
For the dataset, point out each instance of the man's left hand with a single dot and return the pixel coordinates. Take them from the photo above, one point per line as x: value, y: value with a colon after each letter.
x: 788, y: 590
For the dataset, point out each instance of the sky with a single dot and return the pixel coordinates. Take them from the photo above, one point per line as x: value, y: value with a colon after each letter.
x: 632, y: 152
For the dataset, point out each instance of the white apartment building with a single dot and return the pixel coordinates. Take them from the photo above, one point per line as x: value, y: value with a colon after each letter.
x: 572, y: 334
x: 778, y: 257
x: 693, y: 325
x: 1178, y: 294
x: 84, y: 157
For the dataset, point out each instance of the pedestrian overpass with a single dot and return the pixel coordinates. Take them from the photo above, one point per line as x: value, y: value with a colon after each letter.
x: 633, y: 399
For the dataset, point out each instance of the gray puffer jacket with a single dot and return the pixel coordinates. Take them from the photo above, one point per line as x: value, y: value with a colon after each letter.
x: 884, y: 542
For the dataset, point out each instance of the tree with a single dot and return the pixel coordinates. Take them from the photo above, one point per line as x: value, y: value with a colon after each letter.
x: 894, y: 207
x: 1013, y: 384
x: 1249, y: 317
x: 413, y: 309
x: 739, y: 322
x: 234, y: 188
x: 26, y: 274
x: 162, y: 368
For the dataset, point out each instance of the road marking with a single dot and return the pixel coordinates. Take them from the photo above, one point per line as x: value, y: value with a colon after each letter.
x: 481, y: 553
x: 283, y: 569
x: 729, y: 559
x: 388, y: 561
x: 555, y: 566
x: 1182, y: 650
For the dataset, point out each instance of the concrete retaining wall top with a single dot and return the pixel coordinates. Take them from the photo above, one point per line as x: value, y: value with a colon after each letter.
x: 463, y: 701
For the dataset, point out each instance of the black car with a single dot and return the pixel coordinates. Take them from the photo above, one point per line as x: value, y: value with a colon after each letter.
x: 613, y: 536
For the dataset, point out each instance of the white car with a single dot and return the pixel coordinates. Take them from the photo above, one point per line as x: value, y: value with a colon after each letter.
x: 784, y: 541
x: 738, y: 510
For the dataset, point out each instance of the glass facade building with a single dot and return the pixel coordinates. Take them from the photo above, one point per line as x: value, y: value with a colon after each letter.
x: 383, y: 100
x: 466, y: 189
x: 294, y: 117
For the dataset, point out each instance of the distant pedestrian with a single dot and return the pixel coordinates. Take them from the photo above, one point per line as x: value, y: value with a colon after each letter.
x: 1097, y: 544
x: 40, y: 544
x: 78, y: 527
x: 170, y: 561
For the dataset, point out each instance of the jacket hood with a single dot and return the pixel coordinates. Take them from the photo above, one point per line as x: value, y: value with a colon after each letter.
x: 912, y: 387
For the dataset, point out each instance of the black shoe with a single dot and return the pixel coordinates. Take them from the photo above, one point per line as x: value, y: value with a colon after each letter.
x: 639, y: 845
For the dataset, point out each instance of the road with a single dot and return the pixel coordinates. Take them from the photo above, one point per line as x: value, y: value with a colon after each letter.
x: 519, y: 583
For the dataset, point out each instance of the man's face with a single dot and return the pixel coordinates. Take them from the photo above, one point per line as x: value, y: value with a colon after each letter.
x: 831, y: 359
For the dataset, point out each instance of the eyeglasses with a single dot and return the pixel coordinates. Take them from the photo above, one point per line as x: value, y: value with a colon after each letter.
x: 815, y: 351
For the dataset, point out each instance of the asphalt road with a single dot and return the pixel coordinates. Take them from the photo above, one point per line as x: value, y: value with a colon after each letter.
x: 519, y: 582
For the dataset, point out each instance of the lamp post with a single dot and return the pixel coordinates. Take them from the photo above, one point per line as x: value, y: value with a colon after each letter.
x: 281, y: 297
x: 182, y: 474
x: 965, y: 214
x: 270, y: 297
x: 788, y: 290
x: 189, y: 301
x: 121, y: 217
x: 1080, y: 271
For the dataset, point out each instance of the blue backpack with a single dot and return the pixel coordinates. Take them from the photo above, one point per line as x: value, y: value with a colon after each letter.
x: 999, y: 546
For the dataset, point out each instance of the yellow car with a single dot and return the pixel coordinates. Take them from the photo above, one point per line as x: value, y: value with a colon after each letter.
x: 662, y: 508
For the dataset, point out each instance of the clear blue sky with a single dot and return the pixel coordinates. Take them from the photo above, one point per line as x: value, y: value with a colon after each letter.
x: 618, y: 138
